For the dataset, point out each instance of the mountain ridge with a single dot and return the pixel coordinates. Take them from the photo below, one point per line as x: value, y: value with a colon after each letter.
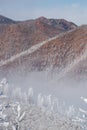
x: 5, y: 20
x: 59, y: 53
x: 31, y: 49
x: 15, y: 38
x: 41, y: 44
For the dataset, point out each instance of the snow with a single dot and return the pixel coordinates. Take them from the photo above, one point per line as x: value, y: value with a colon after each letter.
x: 47, y: 114
x: 83, y: 111
x: 84, y: 99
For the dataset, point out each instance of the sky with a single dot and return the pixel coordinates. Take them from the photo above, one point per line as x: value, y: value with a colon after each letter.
x: 71, y: 10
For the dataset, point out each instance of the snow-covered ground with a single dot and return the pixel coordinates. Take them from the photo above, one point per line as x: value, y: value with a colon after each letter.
x: 23, y: 111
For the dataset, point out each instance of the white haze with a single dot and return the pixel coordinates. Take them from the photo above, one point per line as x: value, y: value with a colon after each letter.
x: 65, y: 97
x: 66, y: 90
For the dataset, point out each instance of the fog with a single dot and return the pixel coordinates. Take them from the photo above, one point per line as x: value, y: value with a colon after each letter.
x: 66, y: 90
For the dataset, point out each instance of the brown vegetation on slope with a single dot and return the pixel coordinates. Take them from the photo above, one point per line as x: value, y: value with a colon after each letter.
x: 55, y: 54
x: 19, y: 36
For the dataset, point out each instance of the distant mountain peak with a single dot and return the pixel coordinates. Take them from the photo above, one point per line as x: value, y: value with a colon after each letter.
x: 5, y: 20
x: 56, y: 23
x: 42, y: 18
x: 19, y: 37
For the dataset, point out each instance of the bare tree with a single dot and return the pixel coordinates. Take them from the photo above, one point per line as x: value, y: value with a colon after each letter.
x: 18, y: 117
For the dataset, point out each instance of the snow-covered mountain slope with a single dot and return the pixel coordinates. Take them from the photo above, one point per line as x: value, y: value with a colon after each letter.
x: 25, y: 114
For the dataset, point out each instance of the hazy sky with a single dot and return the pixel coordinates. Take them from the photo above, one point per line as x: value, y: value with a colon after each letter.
x: 72, y: 10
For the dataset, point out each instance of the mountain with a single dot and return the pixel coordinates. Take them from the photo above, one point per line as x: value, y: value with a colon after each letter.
x: 60, y: 24
x: 41, y: 44
x: 15, y: 38
x: 62, y: 52
x: 5, y: 20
